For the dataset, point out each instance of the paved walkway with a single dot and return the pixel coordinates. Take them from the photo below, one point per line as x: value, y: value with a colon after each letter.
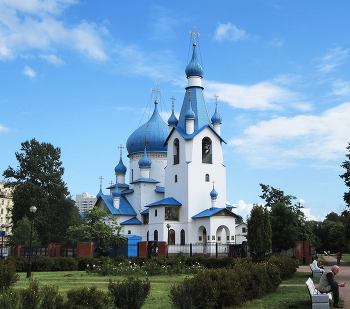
x: 342, y: 276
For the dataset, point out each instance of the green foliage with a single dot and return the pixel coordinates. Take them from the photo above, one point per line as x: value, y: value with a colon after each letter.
x: 38, y: 181
x: 95, y: 229
x: 9, y: 299
x: 86, y: 298
x: 259, y: 233
x: 19, y: 262
x: 346, y: 176
x: 286, y: 266
x: 86, y: 262
x: 42, y: 263
x: 273, y: 196
x: 129, y: 294
x: 8, y: 276
x: 20, y: 234
x: 51, y: 298
x: 64, y: 263
x: 30, y: 298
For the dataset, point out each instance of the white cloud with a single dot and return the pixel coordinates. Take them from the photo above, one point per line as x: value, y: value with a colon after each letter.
x: 332, y: 60
x: 52, y: 59
x: 276, y: 42
x: 243, y: 209
x: 262, y: 96
x: 32, y: 25
x: 229, y: 32
x: 29, y: 72
x: 340, y: 87
x: 308, y: 215
x: 305, y: 136
x: 3, y: 129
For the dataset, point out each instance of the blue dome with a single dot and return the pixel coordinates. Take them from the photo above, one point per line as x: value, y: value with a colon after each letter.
x: 116, y: 192
x: 194, y: 68
x: 213, y: 193
x: 189, y: 113
x: 145, y: 161
x: 172, y: 121
x: 120, y: 168
x: 155, y: 131
x: 216, y: 117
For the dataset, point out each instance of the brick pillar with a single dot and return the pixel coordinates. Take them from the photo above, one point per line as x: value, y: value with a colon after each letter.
x: 162, y: 248
x: 142, y: 248
x: 85, y: 249
x: 299, y: 251
x: 50, y: 250
x: 58, y: 250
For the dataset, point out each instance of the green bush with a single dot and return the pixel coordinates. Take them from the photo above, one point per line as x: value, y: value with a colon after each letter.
x: 20, y: 263
x: 106, y: 268
x: 8, y: 276
x: 287, y: 266
x: 87, y: 262
x: 51, y: 298
x: 129, y: 294
x: 64, y: 264
x: 86, y: 298
x: 29, y: 297
x: 42, y: 263
x: 152, y: 268
x: 9, y: 299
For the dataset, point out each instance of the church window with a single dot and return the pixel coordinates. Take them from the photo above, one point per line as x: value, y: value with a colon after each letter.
x: 175, y: 178
x: 145, y: 219
x: 207, y: 178
x: 200, y: 238
x: 208, y: 237
x: 129, y: 231
x: 171, y: 237
x: 206, y: 150
x: 243, y: 230
x: 147, y: 235
x: 132, y: 175
x: 219, y: 238
x: 155, y: 235
x: 232, y: 237
x: 155, y: 212
x: 182, y: 237
x: 176, y: 151
x: 228, y: 237
x: 212, y: 237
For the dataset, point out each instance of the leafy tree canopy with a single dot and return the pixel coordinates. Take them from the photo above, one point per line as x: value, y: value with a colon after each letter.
x: 273, y: 196
x: 346, y: 176
x: 38, y: 182
x: 21, y: 234
x: 95, y: 229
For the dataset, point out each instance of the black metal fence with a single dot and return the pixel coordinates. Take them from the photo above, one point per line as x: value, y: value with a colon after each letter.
x: 37, y: 250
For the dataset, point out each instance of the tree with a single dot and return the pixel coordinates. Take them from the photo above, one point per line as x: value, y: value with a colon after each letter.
x: 259, y: 233
x: 346, y: 176
x: 95, y: 229
x: 273, y: 196
x: 38, y: 182
x: 21, y: 234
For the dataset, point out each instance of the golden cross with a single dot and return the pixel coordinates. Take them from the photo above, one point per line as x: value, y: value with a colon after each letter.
x: 101, y: 181
x: 172, y: 100
x: 213, y: 183
x: 216, y: 99
x: 111, y: 183
x: 121, y: 148
x: 194, y: 35
x: 189, y: 94
x: 146, y: 140
x: 156, y: 91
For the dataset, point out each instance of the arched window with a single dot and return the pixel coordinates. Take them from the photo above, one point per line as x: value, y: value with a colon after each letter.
x: 155, y: 235
x: 176, y: 151
x: 129, y: 232
x: 155, y: 212
x: 207, y: 178
x: 206, y: 150
x: 171, y: 237
x: 182, y: 237
x: 175, y: 178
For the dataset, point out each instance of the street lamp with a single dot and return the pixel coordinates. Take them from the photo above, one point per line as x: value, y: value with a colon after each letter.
x: 29, y: 266
x: 167, y: 247
x: 304, y: 257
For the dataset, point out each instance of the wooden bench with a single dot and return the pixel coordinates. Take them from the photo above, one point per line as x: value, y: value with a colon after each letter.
x: 318, y: 300
x: 316, y: 273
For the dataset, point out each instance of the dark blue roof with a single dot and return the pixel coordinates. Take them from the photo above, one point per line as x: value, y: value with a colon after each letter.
x: 145, y: 180
x: 216, y: 117
x: 128, y: 191
x: 145, y: 212
x: 131, y: 221
x: 120, y: 168
x: 145, y: 161
x: 160, y: 189
x: 212, y: 211
x: 194, y: 68
x: 120, y: 185
x: 166, y: 201
x: 124, y: 206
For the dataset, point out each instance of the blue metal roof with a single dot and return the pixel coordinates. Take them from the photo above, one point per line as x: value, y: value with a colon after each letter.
x: 99, y: 193
x: 166, y: 201
x: 145, y: 161
x: 199, y: 107
x: 155, y: 131
x: 128, y: 191
x: 212, y: 211
x: 160, y: 189
x: 145, y: 212
x: 124, y: 206
x: 120, y: 168
x: 213, y: 193
x: 120, y: 185
x: 172, y: 121
x: 131, y: 221
x: 189, y: 113
x: 145, y: 180
x: 191, y: 136
x: 216, y: 117
x: 194, y: 68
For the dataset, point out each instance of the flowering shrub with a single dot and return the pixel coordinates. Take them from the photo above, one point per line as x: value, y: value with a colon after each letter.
x: 8, y: 276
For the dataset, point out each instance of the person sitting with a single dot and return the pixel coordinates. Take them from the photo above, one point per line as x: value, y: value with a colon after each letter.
x: 315, y: 265
x: 327, y: 284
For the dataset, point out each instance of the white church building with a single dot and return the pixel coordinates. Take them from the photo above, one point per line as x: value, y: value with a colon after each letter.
x: 177, y: 189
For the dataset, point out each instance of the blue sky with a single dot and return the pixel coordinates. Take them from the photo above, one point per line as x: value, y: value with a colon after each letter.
x: 78, y: 74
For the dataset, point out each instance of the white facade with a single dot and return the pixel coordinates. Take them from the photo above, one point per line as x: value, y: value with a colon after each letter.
x: 241, y: 233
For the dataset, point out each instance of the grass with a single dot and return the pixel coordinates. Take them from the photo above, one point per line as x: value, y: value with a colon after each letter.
x: 345, y: 257
x: 284, y: 298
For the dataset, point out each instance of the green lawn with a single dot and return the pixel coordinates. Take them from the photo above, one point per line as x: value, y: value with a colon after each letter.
x: 285, y: 297
x: 346, y: 257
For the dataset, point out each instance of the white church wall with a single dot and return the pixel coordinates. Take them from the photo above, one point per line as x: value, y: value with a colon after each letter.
x: 222, y: 226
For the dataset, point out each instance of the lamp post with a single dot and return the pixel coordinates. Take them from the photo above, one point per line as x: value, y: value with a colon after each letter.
x: 304, y: 257
x: 2, y: 239
x: 167, y: 247
x: 29, y: 266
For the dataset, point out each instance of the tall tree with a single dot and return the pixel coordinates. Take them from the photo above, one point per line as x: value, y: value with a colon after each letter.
x: 21, y: 234
x: 37, y: 181
x: 95, y: 229
x: 346, y: 176
x: 259, y: 233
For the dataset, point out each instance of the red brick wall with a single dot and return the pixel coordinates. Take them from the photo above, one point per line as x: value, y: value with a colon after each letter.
x: 85, y: 249
x: 142, y: 248
x: 299, y: 253
x: 162, y: 248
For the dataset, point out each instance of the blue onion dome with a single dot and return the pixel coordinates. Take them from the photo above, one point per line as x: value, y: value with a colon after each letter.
x: 216, y: 117
x: 213, y: 193
x: 145, y: 161
x: 120, y: 168
x: 154, y: 132
x: 116, y: 192
x: 194, y: 68
x: 172, y: 121
x: 99, y: 194
x: 189, y: 113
